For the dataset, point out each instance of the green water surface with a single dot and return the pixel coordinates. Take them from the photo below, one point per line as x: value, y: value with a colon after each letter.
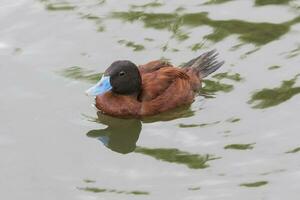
x: 238, y: 140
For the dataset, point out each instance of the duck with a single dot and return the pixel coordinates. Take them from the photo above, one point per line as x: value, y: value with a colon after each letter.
x: 127, y: 90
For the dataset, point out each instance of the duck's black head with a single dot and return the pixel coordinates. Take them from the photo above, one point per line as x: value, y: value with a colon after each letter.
x: 125, y: 77
x: 122, y: 77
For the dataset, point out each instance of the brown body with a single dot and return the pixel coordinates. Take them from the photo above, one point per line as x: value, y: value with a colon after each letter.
x: 164, y: 87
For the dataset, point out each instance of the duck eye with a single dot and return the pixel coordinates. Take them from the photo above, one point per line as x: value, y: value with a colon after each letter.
x: 122, y: 73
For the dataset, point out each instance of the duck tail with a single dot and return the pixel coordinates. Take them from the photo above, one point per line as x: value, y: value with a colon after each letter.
x: 205, y: 64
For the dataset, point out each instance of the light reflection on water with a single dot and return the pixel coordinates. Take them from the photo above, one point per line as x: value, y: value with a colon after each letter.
x: 238, y: 140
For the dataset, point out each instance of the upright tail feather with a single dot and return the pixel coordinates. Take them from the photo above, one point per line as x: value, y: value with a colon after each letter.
x: 205, y: 64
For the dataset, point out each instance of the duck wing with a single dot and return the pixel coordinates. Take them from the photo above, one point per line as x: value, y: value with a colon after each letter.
x: 156, y: 82
x: 153, y: 66
x: 165, y: 89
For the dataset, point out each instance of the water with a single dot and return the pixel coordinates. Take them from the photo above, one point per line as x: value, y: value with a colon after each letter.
x: 239, y: 139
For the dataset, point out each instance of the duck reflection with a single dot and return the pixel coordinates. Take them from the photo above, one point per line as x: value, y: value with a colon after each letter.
x: 121, y: 135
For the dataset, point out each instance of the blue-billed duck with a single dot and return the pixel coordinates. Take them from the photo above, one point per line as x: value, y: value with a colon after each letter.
x: 127, y: 90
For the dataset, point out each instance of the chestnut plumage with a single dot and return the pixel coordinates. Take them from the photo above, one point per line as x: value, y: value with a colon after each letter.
x: 127, y: 90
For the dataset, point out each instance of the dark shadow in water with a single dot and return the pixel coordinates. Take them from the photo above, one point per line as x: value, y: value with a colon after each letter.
x: 173, y: 155
x: 179, y: 23
x: 121, y: 135
x: 270, y: 2
x: 240, y: 146
x: 293, y: 53
x: 296, y: 150
x: 230, y: 76
x: 130, y: 44
x: 211, y: 87
x: 254, y: 184
x: 79, y: 73
x: 257, y: 2
x: 209, y: 2
x: 181, y: 125
x: 215, y: 84
x: 269, y: 97
x: 100, y: 190
x: 249, y: 32
x: 147, y: 5
x: 275, y: 171
x: 194, y: 188
x: 273, y: 67
x: 58, y: 6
